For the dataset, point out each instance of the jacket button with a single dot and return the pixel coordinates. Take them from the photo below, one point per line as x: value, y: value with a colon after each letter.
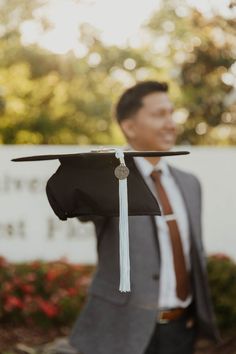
x: 155, y: 276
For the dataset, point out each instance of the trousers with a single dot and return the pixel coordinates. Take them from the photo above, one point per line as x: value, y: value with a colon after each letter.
x: 174, y: 337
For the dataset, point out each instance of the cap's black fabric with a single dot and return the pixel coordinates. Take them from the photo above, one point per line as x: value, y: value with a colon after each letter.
x: 88, y: 186
x: 85, y: 185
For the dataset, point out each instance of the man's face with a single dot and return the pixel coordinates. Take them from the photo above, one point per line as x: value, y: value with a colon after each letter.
x: 152, y: 127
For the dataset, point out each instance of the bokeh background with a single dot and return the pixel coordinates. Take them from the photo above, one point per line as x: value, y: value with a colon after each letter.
x: 65, y: 62
x: 63, y: 65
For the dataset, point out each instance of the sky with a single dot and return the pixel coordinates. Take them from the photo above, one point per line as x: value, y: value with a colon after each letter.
x: 118, y: 21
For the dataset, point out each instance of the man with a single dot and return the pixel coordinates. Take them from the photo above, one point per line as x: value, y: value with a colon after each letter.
x: 169, y: 299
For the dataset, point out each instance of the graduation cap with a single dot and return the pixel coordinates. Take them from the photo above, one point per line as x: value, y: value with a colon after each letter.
x: 103, y: 182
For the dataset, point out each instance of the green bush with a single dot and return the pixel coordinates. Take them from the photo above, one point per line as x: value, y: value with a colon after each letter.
x: 222, y: 280
x: 42, y: 293
x: 52, y: 293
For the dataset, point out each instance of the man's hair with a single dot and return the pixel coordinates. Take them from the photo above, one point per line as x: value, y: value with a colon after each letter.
x: 131, y: 100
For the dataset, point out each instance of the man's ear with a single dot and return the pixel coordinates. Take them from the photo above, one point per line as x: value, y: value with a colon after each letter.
x: 128, y: 128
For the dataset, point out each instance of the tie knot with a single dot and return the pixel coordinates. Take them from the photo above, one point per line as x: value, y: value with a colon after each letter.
x: 156, y: 175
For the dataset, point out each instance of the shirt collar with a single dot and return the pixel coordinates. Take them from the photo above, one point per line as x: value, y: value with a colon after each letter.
x: 146, y: 167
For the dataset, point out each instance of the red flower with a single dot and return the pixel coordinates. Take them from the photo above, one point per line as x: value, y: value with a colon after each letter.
x: 31, y: 277
x: 48, y: 308
x: 17, y: 281
x: 72, y: 291
x: 13, y: 302
x: 27, y: 288
x: 53, y: 274
x: 8, y: 287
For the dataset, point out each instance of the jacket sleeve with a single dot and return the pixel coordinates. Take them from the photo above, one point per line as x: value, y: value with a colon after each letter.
x: 100, y: 224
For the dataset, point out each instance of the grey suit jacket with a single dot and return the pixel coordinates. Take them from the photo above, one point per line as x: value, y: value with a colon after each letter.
x: 112, y: 322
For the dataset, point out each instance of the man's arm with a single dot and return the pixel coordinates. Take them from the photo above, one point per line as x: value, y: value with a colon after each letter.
x: 100, y: 223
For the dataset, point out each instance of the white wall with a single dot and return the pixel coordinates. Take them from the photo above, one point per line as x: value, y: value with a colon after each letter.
x: 30, y: 230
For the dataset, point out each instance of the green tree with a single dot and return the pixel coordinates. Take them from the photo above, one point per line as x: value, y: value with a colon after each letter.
x: 52, y: 99
x: 199, y: 52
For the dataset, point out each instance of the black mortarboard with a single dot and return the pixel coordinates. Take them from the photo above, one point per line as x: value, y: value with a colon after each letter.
x: 86, y: 184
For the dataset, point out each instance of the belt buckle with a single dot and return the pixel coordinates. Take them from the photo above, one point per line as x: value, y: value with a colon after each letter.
x: 161, y: 320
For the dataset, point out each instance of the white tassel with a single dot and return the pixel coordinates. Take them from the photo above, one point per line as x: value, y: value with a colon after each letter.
x: 123, y: 230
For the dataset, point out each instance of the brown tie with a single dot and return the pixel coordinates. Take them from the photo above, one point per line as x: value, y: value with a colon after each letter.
x: 182, y: 276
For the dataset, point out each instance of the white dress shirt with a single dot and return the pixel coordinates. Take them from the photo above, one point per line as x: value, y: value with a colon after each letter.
x: 167, y: 292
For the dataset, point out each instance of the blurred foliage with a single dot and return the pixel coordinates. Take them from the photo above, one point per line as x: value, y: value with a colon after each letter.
x: 63, y: 99
x: 53, y: 293
x: 201, y: 53
x: 40, y: 293
x: 222, y: 280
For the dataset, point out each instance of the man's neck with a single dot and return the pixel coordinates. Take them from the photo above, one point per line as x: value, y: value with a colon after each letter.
x: 153, y: 160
